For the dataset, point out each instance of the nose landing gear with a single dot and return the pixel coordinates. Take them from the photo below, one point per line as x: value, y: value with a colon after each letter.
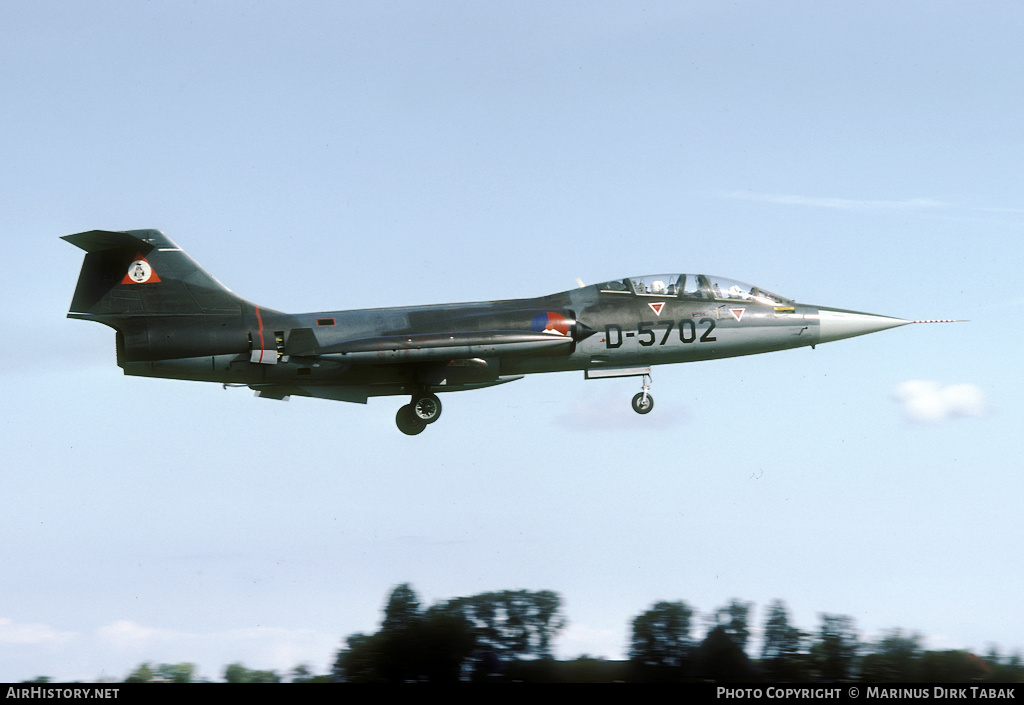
x: 644, y: 402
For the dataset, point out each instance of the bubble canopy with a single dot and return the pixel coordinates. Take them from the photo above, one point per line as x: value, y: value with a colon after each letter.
x: 692, y: 286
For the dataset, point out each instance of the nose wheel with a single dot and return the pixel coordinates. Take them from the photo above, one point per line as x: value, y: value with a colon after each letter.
x: 644, y: 402
x: 414, y: 417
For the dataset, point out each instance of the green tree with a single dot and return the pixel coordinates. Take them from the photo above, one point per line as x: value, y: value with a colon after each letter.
x: 896, y: 658
x: 1009, y: 670
x: 734, y: 621
x: 1000, y: 669
x: 176, y: 672
x: 304, y: 674
x: 509, y: 625
x: 661, y: 636
x: 835, y: 652
x: 720, y: 658
x: 399, y: 645
x: 402, y: 609
x: 953, y: 667
x: 142, y: 674
x: 412, y: 645
x: 359, y: 662
x: 237, y: 673
x: 173, y: 672
x: 447, y: 643
x: 782, y: 657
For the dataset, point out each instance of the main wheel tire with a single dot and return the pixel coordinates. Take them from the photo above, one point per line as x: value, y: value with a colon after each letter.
x: 408, y: 422
x: 642, y: 405
x: 427, y: 408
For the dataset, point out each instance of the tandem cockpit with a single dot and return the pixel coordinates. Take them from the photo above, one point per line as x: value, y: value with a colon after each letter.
x: 692, y: 286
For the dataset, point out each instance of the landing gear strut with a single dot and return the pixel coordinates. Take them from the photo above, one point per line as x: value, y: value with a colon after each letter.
x: 425, y: 408
x: 644, y: 402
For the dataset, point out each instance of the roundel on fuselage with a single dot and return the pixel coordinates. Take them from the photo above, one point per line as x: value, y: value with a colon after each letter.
x: 550, y: 322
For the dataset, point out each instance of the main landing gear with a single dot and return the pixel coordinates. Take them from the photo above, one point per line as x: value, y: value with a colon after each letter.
x: 425, y: 408
x: 644, y: 402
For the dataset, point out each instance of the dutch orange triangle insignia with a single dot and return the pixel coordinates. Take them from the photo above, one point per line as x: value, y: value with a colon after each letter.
x: 140, y: 272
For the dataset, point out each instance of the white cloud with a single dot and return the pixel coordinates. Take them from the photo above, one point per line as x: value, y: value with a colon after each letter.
x: 115, y: 649
x: 125, y: 634
x: 268, y: 647
x: 839, y: 203
x: 12, y: 632
x: 925, y: 401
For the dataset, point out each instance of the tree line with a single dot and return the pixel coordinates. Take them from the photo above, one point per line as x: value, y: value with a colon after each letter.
x: 508, y: 636
x: 662, y: 649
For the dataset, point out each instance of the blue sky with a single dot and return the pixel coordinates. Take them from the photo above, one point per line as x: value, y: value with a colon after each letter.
x: 346, y: 155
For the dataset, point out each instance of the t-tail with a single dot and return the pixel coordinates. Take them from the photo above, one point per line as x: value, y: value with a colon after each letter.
x: 162, y: 304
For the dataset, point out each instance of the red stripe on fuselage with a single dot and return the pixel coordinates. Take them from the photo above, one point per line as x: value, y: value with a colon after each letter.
x: 259, y: 327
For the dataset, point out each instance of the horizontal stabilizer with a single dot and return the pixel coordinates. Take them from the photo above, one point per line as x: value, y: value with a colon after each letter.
x: 102, y: 240
x: 360, y: 393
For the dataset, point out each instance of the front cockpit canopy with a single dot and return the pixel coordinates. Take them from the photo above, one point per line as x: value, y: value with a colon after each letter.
x: 692, y: 286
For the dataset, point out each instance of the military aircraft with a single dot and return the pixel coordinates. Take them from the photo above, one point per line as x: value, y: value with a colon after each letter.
x: 174, y: 320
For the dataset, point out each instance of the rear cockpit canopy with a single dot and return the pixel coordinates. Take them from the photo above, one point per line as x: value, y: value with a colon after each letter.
x: 692, y: 286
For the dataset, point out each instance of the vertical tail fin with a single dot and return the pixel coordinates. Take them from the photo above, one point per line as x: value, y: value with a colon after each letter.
x: 162, y: 304
x: 142, y: 273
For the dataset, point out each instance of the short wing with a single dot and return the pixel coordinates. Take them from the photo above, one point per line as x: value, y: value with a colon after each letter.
x: 430, y: 347
x: 360, y: 393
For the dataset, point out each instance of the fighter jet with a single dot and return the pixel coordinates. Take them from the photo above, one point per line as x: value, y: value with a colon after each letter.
x: 174, y: 320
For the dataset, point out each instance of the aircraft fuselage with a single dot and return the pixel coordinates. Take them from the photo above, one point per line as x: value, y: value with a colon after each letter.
x: 174, y: 320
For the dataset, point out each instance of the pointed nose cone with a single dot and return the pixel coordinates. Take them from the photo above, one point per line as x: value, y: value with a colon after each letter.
x: 835, y: 324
